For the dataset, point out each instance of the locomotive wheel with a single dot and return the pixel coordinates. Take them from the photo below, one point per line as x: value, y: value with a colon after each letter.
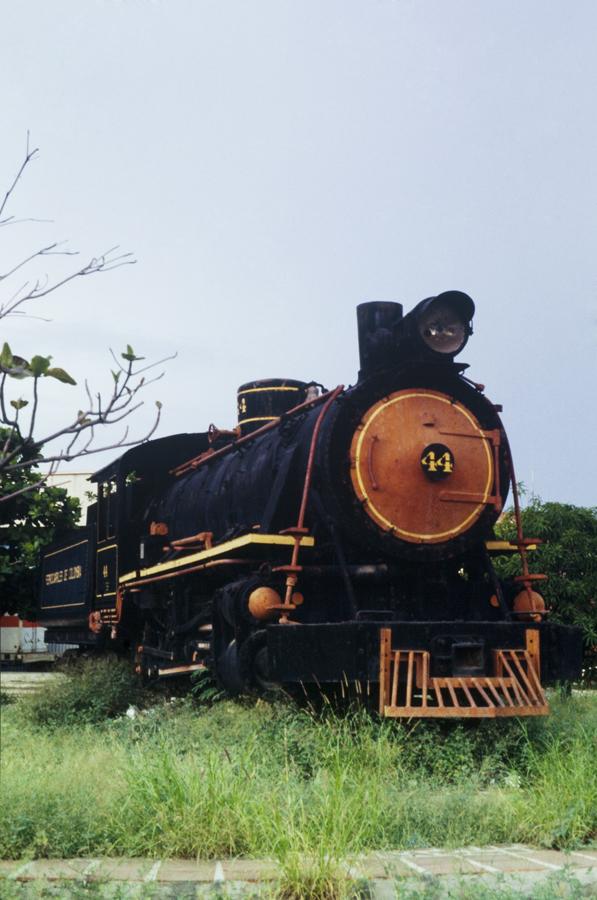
x: 227, y: 669
x: 225, y: 653
x: 254, y: 662
x: 240, y: 656
x: 240, y: 660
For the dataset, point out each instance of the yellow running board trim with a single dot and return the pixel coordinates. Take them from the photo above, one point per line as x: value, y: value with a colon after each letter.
x: 245, y: 541
x: 505, y: 547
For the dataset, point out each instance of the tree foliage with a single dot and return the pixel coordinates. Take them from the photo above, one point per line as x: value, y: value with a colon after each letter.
x: 32, y: 519
x: 568, y: 557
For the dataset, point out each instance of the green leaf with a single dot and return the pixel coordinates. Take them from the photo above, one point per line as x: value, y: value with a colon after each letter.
x: 60, y: 375
x: 14, y: 366
x: 19, y: 404
x: 40, y: 365
x: 6, y: 357
x: 129, y: 354
x: 115, y: 376
x: 20, y: 368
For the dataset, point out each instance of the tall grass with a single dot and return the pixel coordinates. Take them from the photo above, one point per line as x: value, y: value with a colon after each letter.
x: 270, y: 780
x: 92, y: 691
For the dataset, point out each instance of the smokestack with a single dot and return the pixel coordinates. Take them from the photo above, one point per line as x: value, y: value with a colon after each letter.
x: 377, y: 321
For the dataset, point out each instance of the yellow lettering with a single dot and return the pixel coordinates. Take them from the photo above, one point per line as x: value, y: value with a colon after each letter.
x: 55, y: 577
x: 71, y: 573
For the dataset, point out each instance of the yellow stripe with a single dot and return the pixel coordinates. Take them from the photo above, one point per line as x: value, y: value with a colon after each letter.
x: 278, y: 540
x: 63, y: 605
x: 259, y: 419
x: 64, y: 549
x: 111, y: 547
x: 260, y: 390
x: 505, y: 547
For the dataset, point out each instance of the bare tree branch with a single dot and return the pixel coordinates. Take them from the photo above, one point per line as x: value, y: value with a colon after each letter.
x: 34, y: 289
x: 29, y: 155
x: 103, y: 263
x: 20, y: 447
x: 10, y: 220
x: 69, y: 454
x: 50, y: 250
x: 119, y: 405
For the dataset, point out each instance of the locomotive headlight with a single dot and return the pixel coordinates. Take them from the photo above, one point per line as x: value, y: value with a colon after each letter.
x: 442, y: 329
x: 443, y: 322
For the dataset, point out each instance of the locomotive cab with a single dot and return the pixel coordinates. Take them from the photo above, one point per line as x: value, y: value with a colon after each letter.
x: 79, y: 584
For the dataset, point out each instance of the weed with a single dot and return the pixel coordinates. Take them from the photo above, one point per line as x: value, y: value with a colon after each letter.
x: 270, y: 780
x: 205, y: 689
x: 91, y: 691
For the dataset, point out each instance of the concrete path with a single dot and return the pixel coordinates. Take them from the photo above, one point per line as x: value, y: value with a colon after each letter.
x: 24, y: 682
x: 386, y: 874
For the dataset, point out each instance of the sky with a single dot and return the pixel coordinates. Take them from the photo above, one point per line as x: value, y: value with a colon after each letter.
x: 273, y: 163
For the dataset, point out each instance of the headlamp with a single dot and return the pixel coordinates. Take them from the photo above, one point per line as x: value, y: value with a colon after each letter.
x: 442, y: 329
x: 443, y: 322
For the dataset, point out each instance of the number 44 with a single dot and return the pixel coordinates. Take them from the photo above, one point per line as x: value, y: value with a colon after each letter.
x: 443, y: 463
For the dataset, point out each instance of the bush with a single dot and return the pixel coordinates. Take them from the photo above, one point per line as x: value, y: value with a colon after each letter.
x: 91, y: 690
x: 568, y: 557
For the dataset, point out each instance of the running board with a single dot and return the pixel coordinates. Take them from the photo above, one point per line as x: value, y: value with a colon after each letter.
x: 407, y: 690
x: 180, y: 670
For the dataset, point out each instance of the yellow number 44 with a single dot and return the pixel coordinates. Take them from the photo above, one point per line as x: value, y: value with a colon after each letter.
x: 433, y: 463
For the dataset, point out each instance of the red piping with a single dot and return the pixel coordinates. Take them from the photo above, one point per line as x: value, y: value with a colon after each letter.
x: 207, y: 456
x: 299, y: 530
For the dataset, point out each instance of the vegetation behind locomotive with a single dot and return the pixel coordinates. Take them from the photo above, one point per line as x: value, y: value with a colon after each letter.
x: 332, y: 536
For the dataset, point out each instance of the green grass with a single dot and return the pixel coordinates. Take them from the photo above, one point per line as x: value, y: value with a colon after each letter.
x: 269, y: 780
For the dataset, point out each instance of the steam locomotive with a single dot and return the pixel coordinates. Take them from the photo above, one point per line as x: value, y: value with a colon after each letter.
x: 333, y: 537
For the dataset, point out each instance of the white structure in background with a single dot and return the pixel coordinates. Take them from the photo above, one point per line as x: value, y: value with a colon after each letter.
x: 20, y: 640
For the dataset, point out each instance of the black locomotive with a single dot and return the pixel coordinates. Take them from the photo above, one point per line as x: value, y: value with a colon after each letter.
x: 339, y: 537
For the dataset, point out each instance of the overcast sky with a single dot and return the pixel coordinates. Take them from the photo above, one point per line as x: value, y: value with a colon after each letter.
x: 272, y: 164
